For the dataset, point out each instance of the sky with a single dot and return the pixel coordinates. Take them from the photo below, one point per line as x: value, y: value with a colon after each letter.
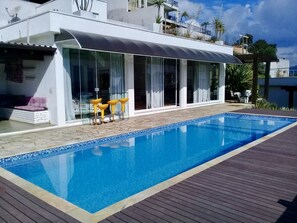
x: 272, y: 20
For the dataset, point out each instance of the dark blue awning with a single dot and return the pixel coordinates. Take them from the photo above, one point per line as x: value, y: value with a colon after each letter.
x: 121, y: 45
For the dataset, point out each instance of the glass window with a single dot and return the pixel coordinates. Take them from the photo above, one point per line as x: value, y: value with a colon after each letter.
x: 155, y: 82
x: 170, y: 72
x: 89, y: 75
x: 214, y: 81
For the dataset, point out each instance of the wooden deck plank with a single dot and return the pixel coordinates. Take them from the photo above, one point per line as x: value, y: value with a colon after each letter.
x: 137, y: 217
x: 227, y: 208
x: 199, y: 209
x: 145, y: 214
x: 13, y: 211
x: 26, y: 207
x: 114, y: 219
x: 252, y: 189
x: 248, y: 180
x: 160, y: 212
x: 231, y: 199
x: 257, y: 177
x: 188, y: 214
x: 237, y: 194
x: 7, y: 217
x: 154, y: 212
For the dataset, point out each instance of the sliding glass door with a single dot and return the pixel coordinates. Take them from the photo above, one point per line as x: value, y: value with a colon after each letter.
x: 202, y: 82
x: 170, y: 82
x: 90, y: 75
x: 155, y: 82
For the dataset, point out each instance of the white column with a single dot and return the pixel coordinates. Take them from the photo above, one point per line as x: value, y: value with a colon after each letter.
x: 222, y: 82
x: 139, y: 4
x: 129, y: 82
x: 177, y: 16
x: 183, y: 84
x: 56, y: 92
x: 145, y: 3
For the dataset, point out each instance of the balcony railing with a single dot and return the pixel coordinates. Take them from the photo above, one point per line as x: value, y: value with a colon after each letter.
x: 196, y: 28
x: 172, y: 2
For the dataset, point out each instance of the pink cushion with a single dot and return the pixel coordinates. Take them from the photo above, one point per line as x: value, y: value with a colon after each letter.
x: 37, y: 102
x: 29, y: 108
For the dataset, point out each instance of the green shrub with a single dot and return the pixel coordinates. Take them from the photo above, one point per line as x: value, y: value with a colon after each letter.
x: 264, y: 104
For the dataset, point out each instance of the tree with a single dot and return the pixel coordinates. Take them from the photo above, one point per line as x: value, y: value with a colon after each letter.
x: 205, y: 24
x: 239, y: 77
x: 158, y: 4
x: 267, y: 51
x: 184, y: 15
x: 219, y: 28
x: 261, y: 47
x: 84, y: 5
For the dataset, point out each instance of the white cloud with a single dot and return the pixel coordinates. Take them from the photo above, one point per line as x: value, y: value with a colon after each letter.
x: 192, y: 8
x: 272, y: 20
x: 289, y: 53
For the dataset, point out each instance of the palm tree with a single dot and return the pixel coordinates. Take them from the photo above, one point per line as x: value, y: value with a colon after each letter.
x: 219, y: 28
x: 205, y: 24
x: 158, y: 4
x: 239, y: 77
x: 84, y: 5
x: 184, y: 15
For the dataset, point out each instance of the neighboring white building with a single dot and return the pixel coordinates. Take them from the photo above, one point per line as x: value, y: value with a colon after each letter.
x: 280, y: 69
x: 99, y: 57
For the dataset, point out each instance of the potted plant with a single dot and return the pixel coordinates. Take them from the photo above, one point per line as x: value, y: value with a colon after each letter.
x: 84, y: 8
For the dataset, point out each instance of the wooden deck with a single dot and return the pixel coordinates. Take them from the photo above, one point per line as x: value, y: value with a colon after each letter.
x: 258, y: 185
x: 17, y: 205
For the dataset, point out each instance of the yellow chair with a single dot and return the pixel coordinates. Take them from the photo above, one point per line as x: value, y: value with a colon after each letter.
x: 95, y: 103
x: 113, y: 103
x: 102, y: 107
x: 123, y: 102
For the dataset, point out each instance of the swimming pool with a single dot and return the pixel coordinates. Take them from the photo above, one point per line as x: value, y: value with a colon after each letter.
x: 98, y: 173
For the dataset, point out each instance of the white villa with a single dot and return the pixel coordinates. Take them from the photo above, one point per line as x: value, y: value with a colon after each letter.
x: 56, y: 58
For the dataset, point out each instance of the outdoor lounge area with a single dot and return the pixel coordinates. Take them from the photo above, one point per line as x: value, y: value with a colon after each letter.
x: 257, y: 185
x: 31, y: 110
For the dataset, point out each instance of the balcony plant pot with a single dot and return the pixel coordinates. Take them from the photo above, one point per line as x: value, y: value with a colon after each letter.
x: 157, y: 27
x: 86, y: 14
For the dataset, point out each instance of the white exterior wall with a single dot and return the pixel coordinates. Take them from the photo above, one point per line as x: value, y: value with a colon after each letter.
x: 129, y: 82
x: 22, y: 8
x: 280, y: 69
x: 222, y: 77
x: 56, y: 97
x: 140, y: 16
x: 117, y: 4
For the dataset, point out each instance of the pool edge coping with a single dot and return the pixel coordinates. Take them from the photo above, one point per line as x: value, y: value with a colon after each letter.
x: 84, y: 216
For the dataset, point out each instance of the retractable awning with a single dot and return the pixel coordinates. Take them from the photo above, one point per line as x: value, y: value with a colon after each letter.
x: 121, y: 45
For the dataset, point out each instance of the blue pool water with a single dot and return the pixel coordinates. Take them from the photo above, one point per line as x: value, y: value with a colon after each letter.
x: 98, y: 173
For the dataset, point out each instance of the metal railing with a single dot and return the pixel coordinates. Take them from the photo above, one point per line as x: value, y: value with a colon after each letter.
x: 172, y: 2
x: 196, y: 28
